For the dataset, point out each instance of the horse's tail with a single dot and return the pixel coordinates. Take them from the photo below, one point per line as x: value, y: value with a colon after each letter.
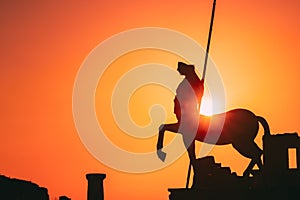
x: 265, y: 124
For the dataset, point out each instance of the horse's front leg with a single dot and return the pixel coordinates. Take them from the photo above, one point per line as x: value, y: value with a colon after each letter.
x: 161, y: 134
x: 160, y: 141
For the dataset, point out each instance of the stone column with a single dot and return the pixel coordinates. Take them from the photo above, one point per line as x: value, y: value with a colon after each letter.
x: 95, y: 186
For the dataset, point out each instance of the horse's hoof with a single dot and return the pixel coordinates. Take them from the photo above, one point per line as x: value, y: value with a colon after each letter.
x: 161, y: 155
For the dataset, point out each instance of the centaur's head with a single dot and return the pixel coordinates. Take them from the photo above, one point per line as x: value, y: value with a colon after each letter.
x: 185, y: 69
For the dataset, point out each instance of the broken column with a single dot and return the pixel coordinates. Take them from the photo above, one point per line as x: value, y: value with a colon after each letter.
x: 95, y: 186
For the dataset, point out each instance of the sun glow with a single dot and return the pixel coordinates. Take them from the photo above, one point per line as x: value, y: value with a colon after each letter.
x: 206, y: 107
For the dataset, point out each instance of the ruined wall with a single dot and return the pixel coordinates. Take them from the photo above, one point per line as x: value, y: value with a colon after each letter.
x: 14, y: 189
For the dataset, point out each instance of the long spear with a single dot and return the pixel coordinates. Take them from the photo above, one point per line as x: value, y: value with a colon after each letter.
x: 204, y: 72
x: 209, y: 37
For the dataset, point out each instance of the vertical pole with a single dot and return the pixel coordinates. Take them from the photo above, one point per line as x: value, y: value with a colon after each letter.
x: 209, y: 37
x: 95, y: 186
x: 188, y: 176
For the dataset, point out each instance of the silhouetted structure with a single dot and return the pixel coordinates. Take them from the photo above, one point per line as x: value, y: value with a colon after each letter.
x: 15, y: 189
x: 277, y: 181
x: 64, y: 198
x: 208, y: 173
x: 276, y: 152
x: 95, y: 186
x: 276, y: 159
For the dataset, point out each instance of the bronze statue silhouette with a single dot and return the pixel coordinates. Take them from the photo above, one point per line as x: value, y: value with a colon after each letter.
x: 240, y: 125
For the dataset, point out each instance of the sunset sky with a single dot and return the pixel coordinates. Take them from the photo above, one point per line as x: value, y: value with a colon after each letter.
x: 255, y: 46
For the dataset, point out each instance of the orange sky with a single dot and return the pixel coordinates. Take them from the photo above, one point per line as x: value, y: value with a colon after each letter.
x: 255, y: 45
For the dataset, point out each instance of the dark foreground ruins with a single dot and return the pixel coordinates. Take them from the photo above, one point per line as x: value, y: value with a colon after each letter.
x: 277, y: 181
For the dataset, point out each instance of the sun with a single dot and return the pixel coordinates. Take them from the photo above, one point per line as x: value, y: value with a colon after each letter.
x: 206, y: 107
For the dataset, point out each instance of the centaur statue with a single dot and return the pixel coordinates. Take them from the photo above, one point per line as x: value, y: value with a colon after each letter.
x: 239, y: 129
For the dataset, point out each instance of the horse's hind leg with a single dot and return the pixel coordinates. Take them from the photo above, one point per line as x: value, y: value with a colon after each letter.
x: 249, y: 150
x: 249, y: 168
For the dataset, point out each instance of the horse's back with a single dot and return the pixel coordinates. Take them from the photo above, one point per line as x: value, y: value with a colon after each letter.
x: 238, y: 124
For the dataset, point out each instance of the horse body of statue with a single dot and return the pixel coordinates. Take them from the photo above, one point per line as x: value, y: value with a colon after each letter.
x: 240, y: 127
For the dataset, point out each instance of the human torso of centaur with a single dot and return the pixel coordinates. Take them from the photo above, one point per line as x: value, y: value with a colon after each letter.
x: 188, y: 96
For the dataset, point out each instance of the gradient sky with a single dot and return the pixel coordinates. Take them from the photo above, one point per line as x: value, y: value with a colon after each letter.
x: 255, y: 45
